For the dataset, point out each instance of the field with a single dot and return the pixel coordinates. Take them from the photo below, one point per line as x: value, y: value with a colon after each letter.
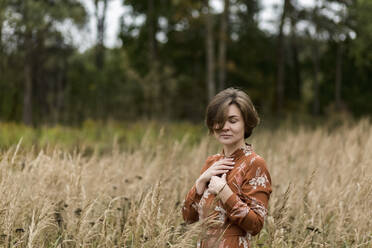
x: 123, y: 186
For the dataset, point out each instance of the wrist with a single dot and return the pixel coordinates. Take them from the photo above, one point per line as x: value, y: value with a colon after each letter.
x: 225, y: 193
x: 223, y: 187
x: 199, y: 187
x: 200, y: 181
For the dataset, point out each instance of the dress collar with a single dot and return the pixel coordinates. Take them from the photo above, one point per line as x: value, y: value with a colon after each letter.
x: 245, y: 150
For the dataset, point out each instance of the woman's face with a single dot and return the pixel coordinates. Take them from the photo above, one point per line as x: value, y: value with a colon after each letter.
x: 233, y: 129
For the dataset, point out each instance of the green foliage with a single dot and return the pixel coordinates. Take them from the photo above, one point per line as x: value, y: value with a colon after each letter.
x: 69, y: 88
x: 92, y: 135
x: 362, y: 25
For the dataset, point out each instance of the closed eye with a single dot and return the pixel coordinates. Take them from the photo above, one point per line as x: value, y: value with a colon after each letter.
x: 233, y: 120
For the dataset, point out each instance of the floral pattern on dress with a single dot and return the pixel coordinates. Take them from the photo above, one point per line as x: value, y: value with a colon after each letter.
x: 248, y: 153
x: 240, y: 210
x: 239, y: 177
x: 247, y: 149
x: 259, y: 180
x: 253, y: 159
x: 256, y: 206
x: 243, y: 241
x: 259, y: 208
x: 241, y: 167
x: 202, y: 202
x: 237, y: 187
x: 221, y: 213
x: 194, y: 206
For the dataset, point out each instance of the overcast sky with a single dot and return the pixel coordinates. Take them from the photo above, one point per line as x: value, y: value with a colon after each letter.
x: 86, y: 37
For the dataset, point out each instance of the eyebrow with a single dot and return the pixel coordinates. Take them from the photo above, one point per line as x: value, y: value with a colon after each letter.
x: 231, y: 116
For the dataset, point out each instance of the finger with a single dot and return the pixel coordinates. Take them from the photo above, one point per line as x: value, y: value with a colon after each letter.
x: 229, y: 158
x: 219, y: 169
x: 226, y: 159
x: 218, y: 172
x: 224, y: 177
x: 224, y: 167
x: 227, y: 162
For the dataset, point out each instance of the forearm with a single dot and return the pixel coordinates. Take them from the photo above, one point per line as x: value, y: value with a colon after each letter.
x: 243, y: 215
x: 200, y: 186
x: 189, y: 209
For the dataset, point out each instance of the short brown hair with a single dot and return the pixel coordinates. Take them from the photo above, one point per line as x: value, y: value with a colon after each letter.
x: 217, y: 110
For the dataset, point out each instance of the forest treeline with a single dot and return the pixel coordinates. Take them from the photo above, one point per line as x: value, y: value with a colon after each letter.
x: 175, y: 55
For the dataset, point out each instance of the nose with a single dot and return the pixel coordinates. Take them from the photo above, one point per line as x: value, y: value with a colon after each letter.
x: 226, y: 126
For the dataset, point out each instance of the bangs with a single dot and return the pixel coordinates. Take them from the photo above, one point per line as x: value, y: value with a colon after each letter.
x: 221, y: 115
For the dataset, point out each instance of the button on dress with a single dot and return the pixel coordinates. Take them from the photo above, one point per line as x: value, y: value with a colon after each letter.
x: 242, y: 215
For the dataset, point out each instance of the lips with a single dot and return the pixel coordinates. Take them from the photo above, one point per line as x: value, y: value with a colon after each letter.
x: 225, y: 135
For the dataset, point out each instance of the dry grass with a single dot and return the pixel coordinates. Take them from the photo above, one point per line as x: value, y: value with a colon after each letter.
x: 322, y: 195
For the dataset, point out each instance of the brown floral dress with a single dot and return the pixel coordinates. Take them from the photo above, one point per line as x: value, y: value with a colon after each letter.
x: 243, y: 214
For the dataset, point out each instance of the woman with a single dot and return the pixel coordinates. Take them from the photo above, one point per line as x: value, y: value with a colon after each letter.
x: 234, y: 187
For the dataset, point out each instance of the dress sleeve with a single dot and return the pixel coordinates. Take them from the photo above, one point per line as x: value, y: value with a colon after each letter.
x: 248, y: 208
x: 190, y: 205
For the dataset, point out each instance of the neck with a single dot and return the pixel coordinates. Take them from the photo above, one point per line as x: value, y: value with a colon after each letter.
x: 229, y: 149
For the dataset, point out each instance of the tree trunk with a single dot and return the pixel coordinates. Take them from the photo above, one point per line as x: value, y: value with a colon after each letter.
x: 27, y: 95
x: 151, y: 25
x: 27, y: 70
x: 316, y: 102
x: 281, y: 61
x: 100, y: 14
x: 2, y: 20
x: 338, y: 81
x: 2, y: 58
x: 59, y: 93
x: 296, y: 62
x: 222, y: 46
x: 209, y: 45
x: 152, y: 98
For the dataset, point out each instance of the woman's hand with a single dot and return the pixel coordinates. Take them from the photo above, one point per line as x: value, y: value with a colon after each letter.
x: 217, y: 184
x: 219, y: 167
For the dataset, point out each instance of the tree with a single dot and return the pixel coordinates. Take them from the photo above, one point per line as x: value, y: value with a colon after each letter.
x: 335, y: 29
x: 294, y: 17
x: 361, y: 25
x: 281, y: 59
x: 339, y: 31
x: 100, y: 14
x: 223, y: 40
x: 209, y: 46
x: 36, y: 23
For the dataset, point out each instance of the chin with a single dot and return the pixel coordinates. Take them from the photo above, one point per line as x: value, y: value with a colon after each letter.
x: 227, y: 142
